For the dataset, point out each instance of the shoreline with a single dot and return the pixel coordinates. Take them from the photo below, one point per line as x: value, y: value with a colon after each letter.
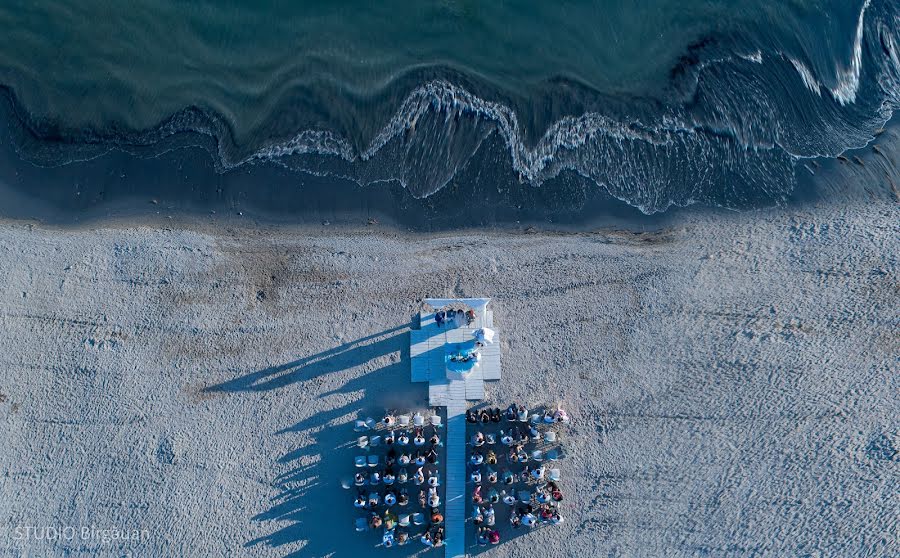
x: 122, y: 201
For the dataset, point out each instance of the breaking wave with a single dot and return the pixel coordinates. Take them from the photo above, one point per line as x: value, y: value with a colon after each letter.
x: 736, y: 119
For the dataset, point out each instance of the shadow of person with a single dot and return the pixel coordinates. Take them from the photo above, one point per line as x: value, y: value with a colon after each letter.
x: 312, y: 514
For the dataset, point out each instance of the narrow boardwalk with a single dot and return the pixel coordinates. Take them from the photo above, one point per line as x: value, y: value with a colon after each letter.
x: 455, y: 518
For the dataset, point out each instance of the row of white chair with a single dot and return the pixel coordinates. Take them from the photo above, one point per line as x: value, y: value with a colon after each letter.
x: 402, y: 421
x: 539, y: 455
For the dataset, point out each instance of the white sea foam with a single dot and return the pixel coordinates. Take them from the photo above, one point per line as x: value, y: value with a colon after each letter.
x: 808, y: 78
x: 755, y: 57
x: 848, y: 78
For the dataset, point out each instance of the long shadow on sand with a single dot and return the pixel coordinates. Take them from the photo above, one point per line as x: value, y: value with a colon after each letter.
x: 315, y: 514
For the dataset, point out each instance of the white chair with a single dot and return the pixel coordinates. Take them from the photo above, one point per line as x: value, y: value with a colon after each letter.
x: 360, y: 460
x: 436, y: 421
x: 362, y: 442
x: 550, y: 437
x: 370, y: 422
x: 418, y: 518
x: 418, y: 420
x: 374, y: 441
x: 554, y: 475
x: 361, y: 524
x: 537, y: 455
x: 553, y: 455
x: 361, y: 426
x: 373, y: 461
x: 403, y: 421
x: 404, y: 520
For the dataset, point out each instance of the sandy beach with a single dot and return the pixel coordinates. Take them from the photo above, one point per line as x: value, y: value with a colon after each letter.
x: 732, y: 378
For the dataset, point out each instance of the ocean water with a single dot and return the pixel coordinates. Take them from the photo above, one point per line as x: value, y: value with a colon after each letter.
x: 656, y: 103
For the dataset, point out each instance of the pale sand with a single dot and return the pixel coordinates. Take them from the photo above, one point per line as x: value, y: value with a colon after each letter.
x: 733, y: 381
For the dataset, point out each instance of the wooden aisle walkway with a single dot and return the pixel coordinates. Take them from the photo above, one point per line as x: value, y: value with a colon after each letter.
x: 455, y: 517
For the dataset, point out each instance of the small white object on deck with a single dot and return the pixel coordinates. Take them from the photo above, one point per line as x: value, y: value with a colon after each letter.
x: 431, y: 347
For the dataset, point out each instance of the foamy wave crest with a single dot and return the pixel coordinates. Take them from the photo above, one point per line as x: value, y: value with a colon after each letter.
x: 730, y: 133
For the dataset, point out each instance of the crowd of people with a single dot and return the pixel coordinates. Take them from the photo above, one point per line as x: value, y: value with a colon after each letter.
x: 453, y: 317
x: 409, y: 467
x: 505, y: 470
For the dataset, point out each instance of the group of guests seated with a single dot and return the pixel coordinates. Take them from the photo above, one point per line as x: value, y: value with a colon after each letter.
x: 530, y: 515
x: 493, y: 483
x: 432, y: 536
x: 451, y: 315
x: 411, y: 457
x: 516, y: 413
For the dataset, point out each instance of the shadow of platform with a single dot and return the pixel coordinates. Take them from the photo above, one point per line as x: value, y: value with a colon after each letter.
x: 312, y: 515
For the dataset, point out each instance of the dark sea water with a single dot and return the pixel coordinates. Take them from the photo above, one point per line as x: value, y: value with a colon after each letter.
x: 655, y: 104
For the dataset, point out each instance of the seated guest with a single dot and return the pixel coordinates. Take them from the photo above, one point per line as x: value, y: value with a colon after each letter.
x: 390, y: 499
x: 529, y: 520
x: 493, y: 497
x: 477, y: 458
x: 360, y: 501
x: 489, y: 516
x: 492, y: 475
x: 512, y: 413
x: 419, y: 439
x: 433, y: 499
x: 431, y: 456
